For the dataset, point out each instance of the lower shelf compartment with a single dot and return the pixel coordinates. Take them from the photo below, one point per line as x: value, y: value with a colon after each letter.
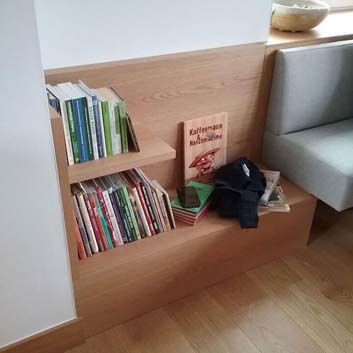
x: 125, y: 282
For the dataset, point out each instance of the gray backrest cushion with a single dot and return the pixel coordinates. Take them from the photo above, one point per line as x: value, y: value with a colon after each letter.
x: 311, y: 86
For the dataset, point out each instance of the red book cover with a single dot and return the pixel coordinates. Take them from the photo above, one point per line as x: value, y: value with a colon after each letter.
x: 80, y: 247
x: 106, y: 216
x: 93, y: 222
x: 98, y: 222
x: 143, y: 203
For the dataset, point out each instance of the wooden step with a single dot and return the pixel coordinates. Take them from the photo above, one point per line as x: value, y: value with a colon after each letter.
x: 136, y: 278
x: 152, y: 150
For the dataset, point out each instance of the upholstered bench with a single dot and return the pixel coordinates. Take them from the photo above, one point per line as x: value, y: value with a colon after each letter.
x: 309, y: 131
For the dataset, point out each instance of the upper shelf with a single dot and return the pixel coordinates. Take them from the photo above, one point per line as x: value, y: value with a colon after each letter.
x: 337, y: 26
x: 152, y: 150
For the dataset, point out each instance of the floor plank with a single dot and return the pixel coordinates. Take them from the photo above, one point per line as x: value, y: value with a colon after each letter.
x: 283, y: 285
x: 208, y: 327
x: 300, y: 304
x: 332, y: 291
x: 151, y: 333
x: 268, y: 326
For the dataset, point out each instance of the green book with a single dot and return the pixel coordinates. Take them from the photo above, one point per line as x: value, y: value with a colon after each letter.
x: 118, y: 127
x: 204, y: 192
x: 88, y: 128
x: 73, y: 133
x: 123, y: 129
x: 127, y: 214
x: 103, y: 221
x: 133, y: 218
x: 106, y: 126
x: 122, y: 119
x: 122, y: 113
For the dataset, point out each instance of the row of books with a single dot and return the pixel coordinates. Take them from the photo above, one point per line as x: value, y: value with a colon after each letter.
x: 192, y: 215
x: 95, y: 121
x: 273, y: 199
x: 118, y: 209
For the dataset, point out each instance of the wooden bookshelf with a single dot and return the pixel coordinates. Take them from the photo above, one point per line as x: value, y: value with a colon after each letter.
x: 152, y: 150
x: 160, y: 93
x: 138, y: 277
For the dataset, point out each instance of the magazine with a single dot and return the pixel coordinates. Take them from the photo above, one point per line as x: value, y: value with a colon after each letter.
x: 277, y: 202
x: 272, y: 179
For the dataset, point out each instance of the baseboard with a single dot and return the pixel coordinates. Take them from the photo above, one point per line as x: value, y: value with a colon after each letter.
x: 55, y: 340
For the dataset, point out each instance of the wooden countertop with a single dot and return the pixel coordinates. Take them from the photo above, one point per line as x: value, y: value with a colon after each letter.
x: 337, y: 26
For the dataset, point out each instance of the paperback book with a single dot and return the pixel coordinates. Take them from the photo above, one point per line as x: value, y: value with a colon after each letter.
x: 95, y: 121
x: 118, y: 209
x: 205, y: 141
x: 193, y: 215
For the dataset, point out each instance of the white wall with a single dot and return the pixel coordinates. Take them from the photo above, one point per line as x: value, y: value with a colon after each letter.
x: 90, y: 31
x: 35, y: 284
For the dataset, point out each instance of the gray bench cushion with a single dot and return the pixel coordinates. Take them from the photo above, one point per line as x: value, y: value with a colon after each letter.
x: 320, y: 160
x: 311, y: 86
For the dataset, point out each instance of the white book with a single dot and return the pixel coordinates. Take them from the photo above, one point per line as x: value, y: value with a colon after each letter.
x: 141, y: 212
x: 61, y: 97
x: 116, y: 230
x: 88, y: 225
x: 92, y: 122
x: 167, y: 203
x: 115, y: 136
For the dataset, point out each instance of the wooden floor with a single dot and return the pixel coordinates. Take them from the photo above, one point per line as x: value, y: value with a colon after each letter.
x: 302, y: 303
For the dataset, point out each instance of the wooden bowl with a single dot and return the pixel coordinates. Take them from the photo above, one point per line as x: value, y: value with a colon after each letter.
x: 298, y: 15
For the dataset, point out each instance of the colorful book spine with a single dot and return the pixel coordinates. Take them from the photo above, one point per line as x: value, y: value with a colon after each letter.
x: 116, y: 230
x: 114, y: 137
x: 81, y: 226
x: 119, y: 213
x: 98, y: 127
x: 68, y: 144
x: 93, y: 219
x: 80, y: 125
x: 88, y: 127
x: 88, y: 225
x: 145, y: 208
x: 163, y: 209
x: 117, y: 129
x: 92, y: 125
x: 103, y: 221
x: 101, y: 123
x: 133, y: 218
x: 105, y: 212
x: 149, y: 207
x: 80, y: 247
x: 106, y: 124
x: 141, y: 212
x: 72, y: 128
x: 127, y: 216
x: 102, y: 236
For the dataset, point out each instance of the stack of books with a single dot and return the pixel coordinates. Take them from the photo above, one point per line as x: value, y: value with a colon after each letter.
x: 95, y: 122
x: 273, y: 199
x: 118, y: 209
x: 193, y: 215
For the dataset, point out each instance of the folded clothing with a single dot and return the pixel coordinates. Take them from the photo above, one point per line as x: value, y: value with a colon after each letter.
x: 238, y: 188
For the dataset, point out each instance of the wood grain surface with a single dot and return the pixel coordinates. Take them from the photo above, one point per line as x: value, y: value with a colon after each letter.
x: 302, y: 303
x: 162, y: 92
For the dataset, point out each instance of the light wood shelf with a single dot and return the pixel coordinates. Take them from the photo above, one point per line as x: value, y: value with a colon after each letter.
x: 163, y: 242
x: 125, y: 282
x: 138, y: 277
x: 152, y: 150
